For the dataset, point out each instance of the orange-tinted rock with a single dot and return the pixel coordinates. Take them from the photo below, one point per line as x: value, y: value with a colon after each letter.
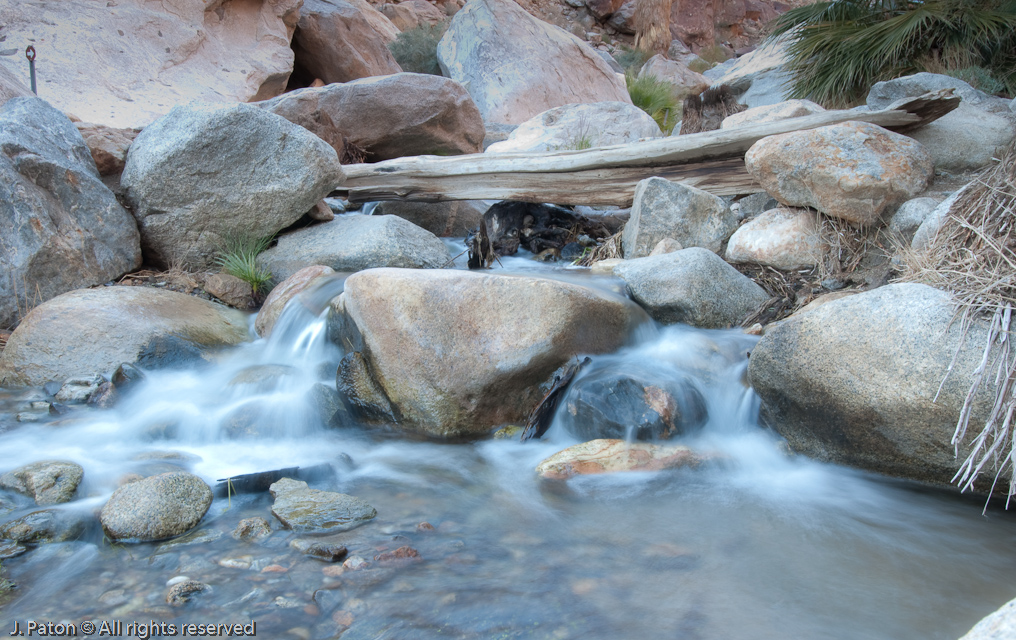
x: 610, y: 456
x: 342, y: 40
x: 283, y: 293
x: 108, y: 145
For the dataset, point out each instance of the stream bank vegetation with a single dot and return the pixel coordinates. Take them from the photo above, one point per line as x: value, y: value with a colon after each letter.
x: 238, y: 257
x: 973, y: 257
x: 416, y: 49
x: 838, y: 50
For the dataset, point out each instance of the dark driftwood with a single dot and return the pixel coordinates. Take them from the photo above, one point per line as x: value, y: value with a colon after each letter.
x: 711, y: 160
x: 542, y: 416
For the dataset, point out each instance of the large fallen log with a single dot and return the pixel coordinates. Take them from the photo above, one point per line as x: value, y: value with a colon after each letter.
x: 711, y: 160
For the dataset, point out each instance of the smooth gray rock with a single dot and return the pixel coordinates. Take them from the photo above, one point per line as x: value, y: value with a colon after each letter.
x: 883, y: 94
x: 47, y: 482
x: 580, y: 126
x: 911, y: 215
x: 855, y: 380
x: 61, y: 228
x: 452, y: 219
x: 48, y: 525
x: 306, y: 510
x: 156, y: 508
x: 355, y: 242
x: 1000, y: 625
x: 758, y: 77
x: 665, y: 209
x: 516, y: 66
x: 692, y: 286
x: 926, y: 232
x: 91, y: 331
x: 204, y: 173
x: 771, y: 113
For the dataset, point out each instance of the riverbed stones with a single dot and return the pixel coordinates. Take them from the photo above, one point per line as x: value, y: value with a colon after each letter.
x: 128, y: 63
x: 181, y: 593
x: 95, y: 330
x: 61, y: 228
x: 156, y: 508
x: 692, y: 286
x: 336, y: 41
x: 385, y: 117
x: 516, y: 66
x: 580, y: 126
x: 783, y: 238
x: 47, y: 482
x: 306, y: 510
x: 613, y: 455
x: 854, y: 171
x: 857, y: 381
x: 458, y: 353
x: 665, y: 209
x: 283, y: 293
x: 48, y: 525
x: 355, y: 242
x: 206, y: 173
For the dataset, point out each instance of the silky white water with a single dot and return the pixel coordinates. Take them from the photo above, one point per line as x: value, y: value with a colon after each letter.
x: 756, y: 544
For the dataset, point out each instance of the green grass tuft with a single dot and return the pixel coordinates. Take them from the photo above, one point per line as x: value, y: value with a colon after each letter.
x: 631, y: 60
x: 416, y: 50
x: 238, y: 257
x: 656, y: 97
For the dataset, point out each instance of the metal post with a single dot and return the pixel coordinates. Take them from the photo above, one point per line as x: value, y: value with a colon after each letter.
x: 30, y: 54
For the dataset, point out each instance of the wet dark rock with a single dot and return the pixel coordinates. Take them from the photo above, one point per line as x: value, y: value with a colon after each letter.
x: 52, y: 387
x: 127, y: 375
x: 78, y: 390
x: 105, y: 397
x: 303, y: 509
x: 179, y: 594
x: 320, y: 550
x: 252, y: 529
x: 169, y: 352
x: 47, y: 482
x: 638, y: 405
x: 49, y: 525
x: 57, y: 409
x: 156, y: 508
x: 11, y: 550
x: 328, y: 405
x: 366, y: 398
x: 536, y: 227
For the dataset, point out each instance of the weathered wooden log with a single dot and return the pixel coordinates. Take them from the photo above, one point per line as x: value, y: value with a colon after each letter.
x: 712, y: 161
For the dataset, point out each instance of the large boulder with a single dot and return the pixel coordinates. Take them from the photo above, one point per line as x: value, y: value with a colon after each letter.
x: 387, y: 117
x: 964, y: 139
x: 95, y: 330
x: 47, y: 482
x: 156, y: 508
x: 686, y: 82
x: 449, y: 219
x: 353, y: 243
x: 455, y: 353
x: 306, y: 510
x: 342, y: 40
x: 692, y: 286
x: 516, y: 66
x: 854, y: 171
x: 865, y: 381
x: 580, y: 126
x: 665, y: 209
x: 772, y: 113
x: 786, y: 239
x: 758, y: 78
x: 60, y: 227
x: 126, y: 64
x: 206, y: 173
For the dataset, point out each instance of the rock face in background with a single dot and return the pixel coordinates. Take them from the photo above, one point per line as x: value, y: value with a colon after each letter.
x: 854, y: 381
x: 342, y: 40
x: 156, y: 508
x: 410, y: 14
x: 205, y: 173
x: 692, y: 286
x: 60, y: 227
x: 964, y: 139
x: 665, y: 209
x: 853, y: 171
x: 388, y: 117
x: 685, y: 81
x: 457, y: 353
x: 125, y: 64
x: 783, y: 238
x: 516, y: 66
x: 14, y: 85
x: 95, y: 330
x: 580, y: 126
x: 353, y: 243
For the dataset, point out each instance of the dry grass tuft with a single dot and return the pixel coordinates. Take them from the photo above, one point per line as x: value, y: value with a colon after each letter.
x: 606, y: 250
x: 974, y: 258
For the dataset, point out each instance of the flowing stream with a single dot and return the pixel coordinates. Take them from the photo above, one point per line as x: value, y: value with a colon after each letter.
x: 757, y: 544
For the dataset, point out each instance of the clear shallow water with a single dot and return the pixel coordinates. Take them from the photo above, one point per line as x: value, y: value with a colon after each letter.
x: 754, y: 545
